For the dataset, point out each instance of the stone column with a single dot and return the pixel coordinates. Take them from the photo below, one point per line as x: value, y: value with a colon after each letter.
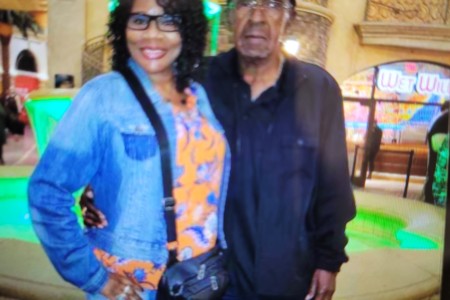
x: 97, y: 15
x: 225, y: 35
x: 311, y: 28
x: 66, y: 37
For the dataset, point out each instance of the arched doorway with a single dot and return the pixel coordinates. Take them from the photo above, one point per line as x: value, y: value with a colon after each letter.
x: 404, y: 97
x: 27, y: 68
x: 26, y: 61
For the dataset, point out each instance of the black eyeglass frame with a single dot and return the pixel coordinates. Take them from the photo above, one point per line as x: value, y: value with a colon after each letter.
x: 150, y: 18
x: 283, y: 5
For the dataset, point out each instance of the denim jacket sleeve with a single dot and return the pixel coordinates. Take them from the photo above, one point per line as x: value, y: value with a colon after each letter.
x: 69, y: 162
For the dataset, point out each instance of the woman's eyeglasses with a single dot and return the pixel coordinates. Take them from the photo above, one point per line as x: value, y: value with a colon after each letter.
x: 166, y: 23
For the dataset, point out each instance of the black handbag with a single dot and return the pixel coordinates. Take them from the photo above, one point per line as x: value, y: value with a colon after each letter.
x: 200, y: 278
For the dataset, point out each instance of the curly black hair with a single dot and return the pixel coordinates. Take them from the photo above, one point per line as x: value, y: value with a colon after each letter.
x: 193, y: 30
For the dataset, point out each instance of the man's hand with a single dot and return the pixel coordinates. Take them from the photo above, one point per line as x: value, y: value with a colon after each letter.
x: 121, y: 287
x: 323, y: 285
x: 92, y: 217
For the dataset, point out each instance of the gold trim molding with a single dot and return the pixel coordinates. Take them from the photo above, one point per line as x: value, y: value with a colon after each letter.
x: 316, y: 9
x: 419, y: 36
x: 24, y: 5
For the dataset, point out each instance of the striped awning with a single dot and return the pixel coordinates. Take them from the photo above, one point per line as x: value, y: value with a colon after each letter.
x: 23, y: 5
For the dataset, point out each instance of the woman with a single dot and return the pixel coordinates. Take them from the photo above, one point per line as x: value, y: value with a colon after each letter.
x: 2, y: 130
x: 106, y: 140
x: 439, y: 186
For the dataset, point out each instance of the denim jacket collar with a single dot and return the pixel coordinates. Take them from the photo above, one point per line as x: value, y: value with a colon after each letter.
x: 163, y: 106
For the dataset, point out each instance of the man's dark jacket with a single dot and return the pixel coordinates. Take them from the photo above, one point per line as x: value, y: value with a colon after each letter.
x: 305, y: 194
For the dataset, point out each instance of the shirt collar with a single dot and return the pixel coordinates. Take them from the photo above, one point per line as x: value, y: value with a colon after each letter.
x: 290, y: 76
x: 196, y: 89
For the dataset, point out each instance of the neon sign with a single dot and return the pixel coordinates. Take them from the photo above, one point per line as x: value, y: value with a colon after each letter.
x: 395, y: 81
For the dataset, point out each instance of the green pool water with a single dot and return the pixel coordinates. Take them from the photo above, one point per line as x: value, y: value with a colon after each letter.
x: 369, y: 230
x: 14, y: 216
x: 15, y: 220
x: 372, y: 230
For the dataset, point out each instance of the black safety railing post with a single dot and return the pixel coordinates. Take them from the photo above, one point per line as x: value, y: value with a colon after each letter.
x: 354, y: 162
x: 408, y: 173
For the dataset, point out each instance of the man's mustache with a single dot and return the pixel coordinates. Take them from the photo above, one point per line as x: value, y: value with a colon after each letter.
x: 252, y: 28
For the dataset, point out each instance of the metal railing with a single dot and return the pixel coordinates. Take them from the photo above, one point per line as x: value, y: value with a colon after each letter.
x: 407, y: 171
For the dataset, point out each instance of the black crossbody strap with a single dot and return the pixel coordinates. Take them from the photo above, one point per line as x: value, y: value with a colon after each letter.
x: 161, y: 135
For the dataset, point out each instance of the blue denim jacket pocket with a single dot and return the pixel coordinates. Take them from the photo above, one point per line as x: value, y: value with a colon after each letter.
x: 140, y: 143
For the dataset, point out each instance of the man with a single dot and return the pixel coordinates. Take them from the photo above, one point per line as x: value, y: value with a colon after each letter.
x: 373, y: 146
x: 435, y: 136
x: 289, y: 192
x: 289, y: 196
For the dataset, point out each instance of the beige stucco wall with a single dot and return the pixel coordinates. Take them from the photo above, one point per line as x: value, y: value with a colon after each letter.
x: 96, y: 18
x: 66, y: 37
x: 345, y: 54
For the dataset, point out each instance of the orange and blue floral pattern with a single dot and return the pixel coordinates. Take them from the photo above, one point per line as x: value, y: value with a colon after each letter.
x: 199, y: 168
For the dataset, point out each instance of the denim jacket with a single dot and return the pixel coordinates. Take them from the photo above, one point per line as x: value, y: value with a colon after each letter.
x: 106, y: 140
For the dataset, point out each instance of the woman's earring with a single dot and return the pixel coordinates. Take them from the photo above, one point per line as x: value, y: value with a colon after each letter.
x: 197, y: 64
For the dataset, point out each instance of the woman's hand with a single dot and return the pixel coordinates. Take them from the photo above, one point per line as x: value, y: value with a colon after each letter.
x: 92, y: 217
x: 121, y: 287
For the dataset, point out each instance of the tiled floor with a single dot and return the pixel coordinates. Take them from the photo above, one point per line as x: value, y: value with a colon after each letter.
x: 392, y: 184
x: 379, y: 274
x: 20, y: 150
